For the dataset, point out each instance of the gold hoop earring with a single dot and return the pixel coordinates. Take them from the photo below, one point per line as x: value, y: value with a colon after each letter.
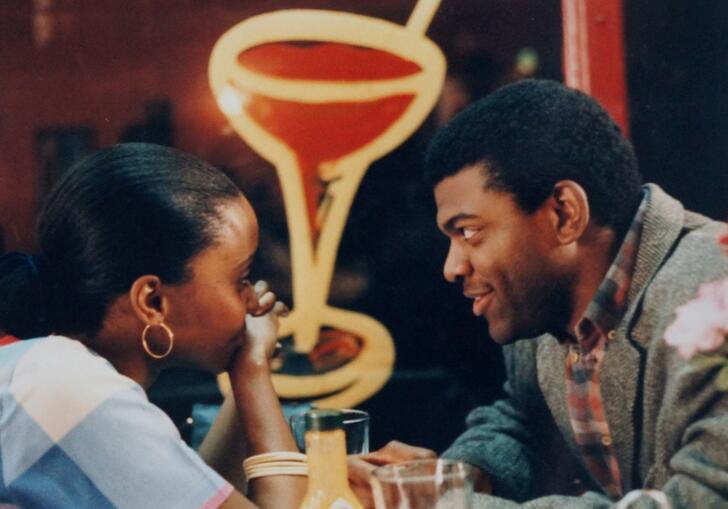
x: 151, y: 354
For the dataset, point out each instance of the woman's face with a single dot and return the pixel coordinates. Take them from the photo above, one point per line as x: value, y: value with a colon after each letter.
x: 207, y: 313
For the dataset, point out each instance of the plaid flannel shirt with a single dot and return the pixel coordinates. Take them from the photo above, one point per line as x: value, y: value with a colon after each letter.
x: 584, y: 361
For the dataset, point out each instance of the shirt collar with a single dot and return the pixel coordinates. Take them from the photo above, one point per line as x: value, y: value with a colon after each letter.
x: 610, y: 300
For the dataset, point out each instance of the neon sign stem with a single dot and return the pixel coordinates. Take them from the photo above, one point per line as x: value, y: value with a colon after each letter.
x: 422, y: 15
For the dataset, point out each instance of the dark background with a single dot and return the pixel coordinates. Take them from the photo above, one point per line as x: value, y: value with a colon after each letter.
x: 76, y: 75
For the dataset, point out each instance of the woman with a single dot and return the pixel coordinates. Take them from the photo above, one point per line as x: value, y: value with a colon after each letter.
x: 144, y: 259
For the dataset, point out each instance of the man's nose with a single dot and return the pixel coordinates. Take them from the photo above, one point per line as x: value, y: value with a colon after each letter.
x: 456, y: 265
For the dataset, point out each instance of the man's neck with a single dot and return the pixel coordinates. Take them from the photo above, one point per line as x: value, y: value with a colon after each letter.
x: 597, y: 251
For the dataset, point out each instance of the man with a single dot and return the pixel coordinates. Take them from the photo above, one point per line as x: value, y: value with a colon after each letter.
x: 560, y: 247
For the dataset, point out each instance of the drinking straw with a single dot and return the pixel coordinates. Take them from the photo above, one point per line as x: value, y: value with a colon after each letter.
x: 422, y: 15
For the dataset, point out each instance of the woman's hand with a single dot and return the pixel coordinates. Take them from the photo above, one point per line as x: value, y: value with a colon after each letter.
x: 261, y: 328
x: 260, y: 420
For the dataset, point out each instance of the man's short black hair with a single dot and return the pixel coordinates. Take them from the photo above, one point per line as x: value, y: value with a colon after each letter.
x: 533, y: 133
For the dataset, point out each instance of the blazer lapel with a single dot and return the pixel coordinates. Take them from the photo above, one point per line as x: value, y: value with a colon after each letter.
x: 620, y: 384
x: 662, y: 225
x: 621, y: 375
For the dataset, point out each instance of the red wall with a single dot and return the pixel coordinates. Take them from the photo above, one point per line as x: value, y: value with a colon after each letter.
x: 101, y: 64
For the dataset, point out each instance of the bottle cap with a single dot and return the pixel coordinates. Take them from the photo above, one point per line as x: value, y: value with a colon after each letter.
x: 324, y: 420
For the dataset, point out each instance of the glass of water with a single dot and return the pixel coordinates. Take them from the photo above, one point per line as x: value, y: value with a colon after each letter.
x: 423, y: 484
x: 356, y: 428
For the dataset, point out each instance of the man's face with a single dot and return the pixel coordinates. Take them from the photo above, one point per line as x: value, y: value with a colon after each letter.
x: 506, y: 260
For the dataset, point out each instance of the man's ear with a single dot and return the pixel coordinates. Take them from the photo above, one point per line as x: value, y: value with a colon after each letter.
x: 147, y: 300
x: 570, y: 208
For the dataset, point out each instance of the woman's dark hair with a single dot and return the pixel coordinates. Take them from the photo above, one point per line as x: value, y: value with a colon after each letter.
x: 125, y: 211
x: 533, y: 133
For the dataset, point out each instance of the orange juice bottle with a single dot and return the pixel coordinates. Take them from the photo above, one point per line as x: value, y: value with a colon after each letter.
x: 328, y: 483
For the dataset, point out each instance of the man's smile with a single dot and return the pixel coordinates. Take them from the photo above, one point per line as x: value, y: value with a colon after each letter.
x: 482, y: 298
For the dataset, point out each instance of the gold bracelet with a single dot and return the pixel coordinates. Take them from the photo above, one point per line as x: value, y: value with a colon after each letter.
x: 275, y: 463
x: 254, y: 473
x: 275, y: 456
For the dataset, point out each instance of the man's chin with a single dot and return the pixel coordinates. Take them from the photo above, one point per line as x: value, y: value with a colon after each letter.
x: 503, y: 340
x: 501, y: 335
x: 507, y: 333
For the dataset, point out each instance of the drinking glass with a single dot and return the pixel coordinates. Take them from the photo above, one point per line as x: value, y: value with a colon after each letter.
x: 356, y: 428
x: 423, y: 484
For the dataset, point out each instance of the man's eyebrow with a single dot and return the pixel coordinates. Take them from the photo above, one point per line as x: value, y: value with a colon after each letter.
x: 449, y: 226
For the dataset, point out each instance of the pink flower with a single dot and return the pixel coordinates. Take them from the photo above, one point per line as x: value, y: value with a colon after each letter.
x: 701, y: 325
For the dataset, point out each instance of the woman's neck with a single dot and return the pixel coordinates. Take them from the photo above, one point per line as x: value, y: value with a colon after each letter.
x: 142, y: 373
x: 126, y: 356
x: 120, y: 341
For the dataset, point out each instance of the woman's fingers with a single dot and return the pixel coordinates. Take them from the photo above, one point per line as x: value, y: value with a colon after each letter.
x: 265, y: 298
x: 266, y: 301
x: 262, y: 322
x: 280, y: 309
x: 260, y: 287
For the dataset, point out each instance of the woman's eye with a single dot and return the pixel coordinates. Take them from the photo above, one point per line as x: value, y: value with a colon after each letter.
x: 244, y: 283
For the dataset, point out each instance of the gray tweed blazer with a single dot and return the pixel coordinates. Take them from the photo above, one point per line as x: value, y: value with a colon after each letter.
x: 669, y: 422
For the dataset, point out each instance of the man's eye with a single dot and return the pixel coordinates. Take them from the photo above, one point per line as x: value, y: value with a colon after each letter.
x: 468, y: 233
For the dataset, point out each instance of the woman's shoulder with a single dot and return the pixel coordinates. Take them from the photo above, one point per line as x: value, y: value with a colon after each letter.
x: 55, y: 356
x: 66, y: 409
x: 55, y: 376
x: 42, y: 353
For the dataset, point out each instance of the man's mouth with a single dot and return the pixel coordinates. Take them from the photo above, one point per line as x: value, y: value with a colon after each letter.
x: 481, y: 299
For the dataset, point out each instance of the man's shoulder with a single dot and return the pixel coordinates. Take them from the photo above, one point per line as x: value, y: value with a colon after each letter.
x: 696, y: 256
x: 672, y: 211
x: 692, y: 258
x: 685, y: 243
